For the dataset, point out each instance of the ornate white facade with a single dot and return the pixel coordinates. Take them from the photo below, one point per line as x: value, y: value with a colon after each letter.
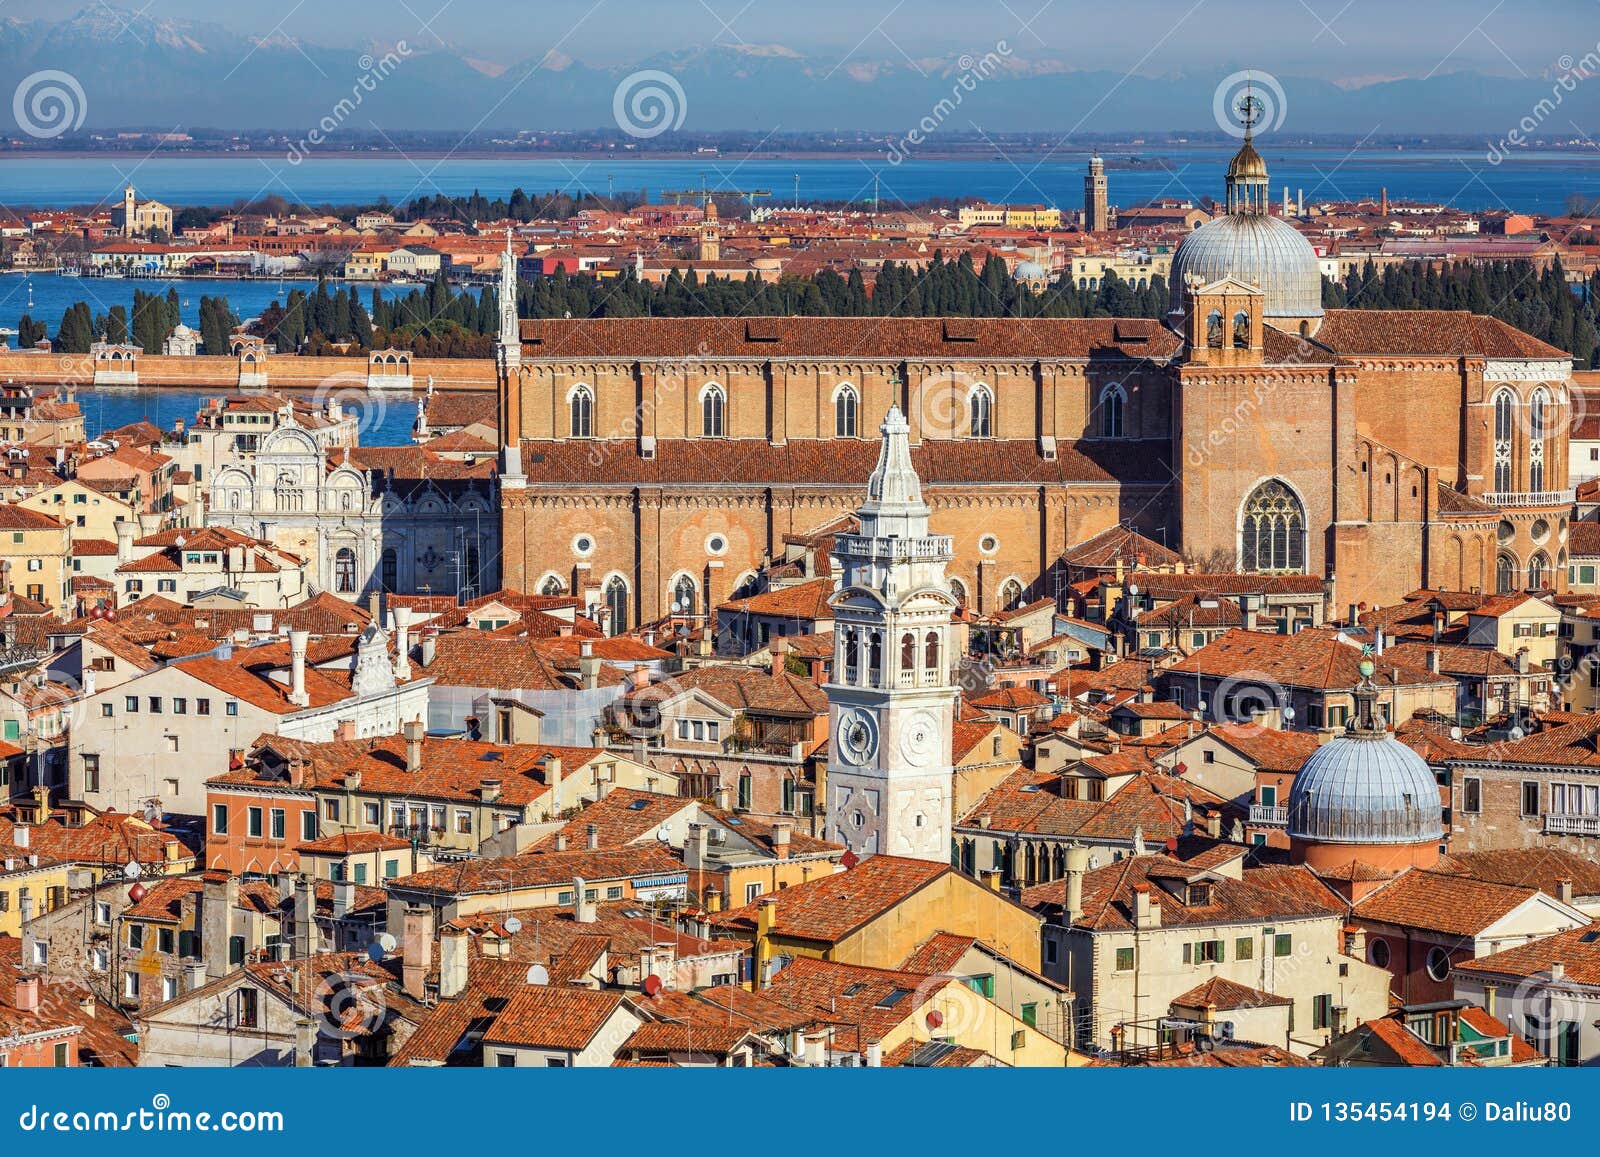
x: 401, y: 520
x: 892, y: 699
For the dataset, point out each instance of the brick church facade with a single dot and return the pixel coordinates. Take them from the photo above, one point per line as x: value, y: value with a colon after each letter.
x: 1252, y: 430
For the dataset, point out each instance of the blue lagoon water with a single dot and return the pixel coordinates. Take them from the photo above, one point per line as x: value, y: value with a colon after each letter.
x: 1530, y: 181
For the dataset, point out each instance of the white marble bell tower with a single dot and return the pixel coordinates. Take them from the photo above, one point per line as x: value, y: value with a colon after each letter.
x: 892, y: 698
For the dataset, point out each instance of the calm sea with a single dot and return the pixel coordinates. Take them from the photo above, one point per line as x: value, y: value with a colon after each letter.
x: 1530, y: 181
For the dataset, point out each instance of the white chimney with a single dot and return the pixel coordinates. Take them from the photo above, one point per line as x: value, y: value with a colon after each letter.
x: 298, y: 642
x: 453, y: 954
x: 582, y: 908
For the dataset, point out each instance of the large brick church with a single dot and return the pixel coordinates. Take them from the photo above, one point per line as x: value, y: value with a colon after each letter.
x: 653, y: 461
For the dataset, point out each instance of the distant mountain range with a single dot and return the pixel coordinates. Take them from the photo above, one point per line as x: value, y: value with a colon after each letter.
x: 139, y: 71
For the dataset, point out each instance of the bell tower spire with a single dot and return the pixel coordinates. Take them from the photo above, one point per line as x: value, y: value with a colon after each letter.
x: 891, y: 702
x: 1247, y: 184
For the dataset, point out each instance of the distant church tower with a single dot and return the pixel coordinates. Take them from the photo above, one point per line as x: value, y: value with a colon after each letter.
x: 1096, y: 211
x: 130, y: 211
x: 508, y: 358
x: 710, y: 235
x: 892, y: 701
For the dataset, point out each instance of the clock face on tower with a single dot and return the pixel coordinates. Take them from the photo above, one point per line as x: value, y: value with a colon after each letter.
x: 857, y: 737
x: 919, y: 741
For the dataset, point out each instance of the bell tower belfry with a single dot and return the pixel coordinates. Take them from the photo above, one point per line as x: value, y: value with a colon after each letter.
x: 892, y: 697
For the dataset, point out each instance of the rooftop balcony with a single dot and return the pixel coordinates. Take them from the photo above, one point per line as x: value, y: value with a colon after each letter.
x: 1264, y: 815
x: 1571, y: 825
x: 1530, y: 497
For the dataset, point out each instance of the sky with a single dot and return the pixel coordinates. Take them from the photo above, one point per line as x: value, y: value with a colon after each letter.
x: 1349, y: 41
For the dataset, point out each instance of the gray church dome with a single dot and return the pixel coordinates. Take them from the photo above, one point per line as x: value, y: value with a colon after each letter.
x: 1365, y: 787
x: 1262, y: 250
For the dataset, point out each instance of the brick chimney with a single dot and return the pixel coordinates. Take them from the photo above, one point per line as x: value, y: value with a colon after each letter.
x: 780, y: 839
x: 413, y: 731
x: 27, y: 994
x: 417, y: 945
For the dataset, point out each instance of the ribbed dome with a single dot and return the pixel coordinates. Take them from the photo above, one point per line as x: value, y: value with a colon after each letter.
x: 1030, y: 269
x: 1365, y: 789
x: 1264, y: 251
x: 1247, y: 164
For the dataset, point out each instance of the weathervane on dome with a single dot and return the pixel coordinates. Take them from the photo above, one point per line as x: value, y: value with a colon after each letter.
x: 1249, y: 108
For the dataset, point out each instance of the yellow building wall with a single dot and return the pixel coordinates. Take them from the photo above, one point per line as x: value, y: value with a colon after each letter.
x: 973, y: 1021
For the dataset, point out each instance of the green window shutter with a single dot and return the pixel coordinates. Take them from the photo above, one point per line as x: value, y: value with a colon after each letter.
x: 1222, y: 951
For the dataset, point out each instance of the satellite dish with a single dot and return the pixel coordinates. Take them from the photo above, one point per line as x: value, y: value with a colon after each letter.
x: 1288, y: 713
x: 1518, y: 733
x: 663, y: 834
x: 375, y: 952
x: 652, y: 985
x: 1133, y: 589
x: 388, y: 941
x: 131, y: 870
x: 538, y: 974
x: 1455, y: 733
x: 513, y: 925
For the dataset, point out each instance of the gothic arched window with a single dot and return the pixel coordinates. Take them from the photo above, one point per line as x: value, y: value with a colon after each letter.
x: 683, y: 595
x: 617, y: 604
x: 1010, y: 594
x: 1272, y: 534
x: 1505, y: 574
x: 908, y: 654
x: 874, y: 659
x: 1504, y: 411
x: 852, y: 655
x: 344, y: 571
x: 981, y: 406
x: 1112, y: 401
x: 581, y: 408
x: 1241, y: 330
x: 1214, y: 329
x: 845, y: 404
x: 713, y: 402
x: 551, y: 587
x: 1537, y: 417
x: 1538, y: 571
x: 958, y: 591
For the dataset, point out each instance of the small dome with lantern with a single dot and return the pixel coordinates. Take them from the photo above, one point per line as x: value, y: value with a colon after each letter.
x: 1365, y: 796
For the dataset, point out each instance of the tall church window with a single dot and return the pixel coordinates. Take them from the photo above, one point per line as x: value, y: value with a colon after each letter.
x: 581, y: 407
x: 473, y: 563
x: 1273, y: 531
x: 1537, y: 414
x: 981, y: 405
x: 551, y: 587
x: 683, y: 595
x: 930, y: 652
x: 908, y: 657
x: 852, y: 656
x: 958, y: 591
x: 1010, y: 594
x: 1112, y: 400
x: 845, y: 404
x: 713, y: 402
x: 617, y: 604
x: 389, y: 569
x: 1504, y: 414
x: 1214, y: 329
x: 1241, y: 330
x: 344, y: 571
x: 874, y: 659
x: 1505, y: 574
x: 1538, y: 571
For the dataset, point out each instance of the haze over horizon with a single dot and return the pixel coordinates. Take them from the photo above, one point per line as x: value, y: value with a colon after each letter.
x: 1346, y: 65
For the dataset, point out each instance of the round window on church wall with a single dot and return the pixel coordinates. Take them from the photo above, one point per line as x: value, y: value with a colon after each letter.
x: 583, y: 545
x: 1505, y: 532
x: 716, y: 544
x: 988, y: 544
x: 1438, y: 963
x: 1540, y: 530
x: 1378, y: 953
